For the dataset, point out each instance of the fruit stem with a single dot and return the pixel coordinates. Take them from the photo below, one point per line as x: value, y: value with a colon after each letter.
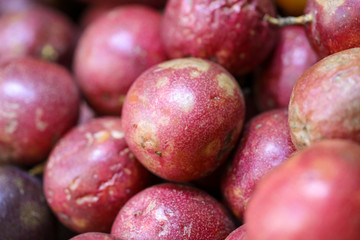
x: 286, y: 21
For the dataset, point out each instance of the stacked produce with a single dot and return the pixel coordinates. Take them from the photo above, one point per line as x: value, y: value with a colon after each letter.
x: 179, y: 119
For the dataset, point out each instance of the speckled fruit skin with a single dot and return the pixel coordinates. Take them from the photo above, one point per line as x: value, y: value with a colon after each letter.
x: 152, y: 3
x: 172, y: 211
x: 90, y: 175
x: 28, y: 33
x: 265, y: 144
x: 231, y: 33
x: 291, y: 57
x: 39, y: 102
x: 182, y: 118
x: 325, y: 101
x: 24, y: 212
x: 238, y: 234
x: 314, y: 195
x: 113, y: 51
x: 94, y: 236
x: 335, y: 26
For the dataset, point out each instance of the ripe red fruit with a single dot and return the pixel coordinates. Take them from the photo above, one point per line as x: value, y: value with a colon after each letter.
x: 182, y: 118
x: 40, y: 32
x: 39, y: 102
x: 265, y: 143
x: 325, y: 100
x: 90, y: 174
x: 231, y: 33
x: 313, y: 195
x: 291, y: 57
x: 335, y: 25
x: 113, y: 51
x: 172, y: 211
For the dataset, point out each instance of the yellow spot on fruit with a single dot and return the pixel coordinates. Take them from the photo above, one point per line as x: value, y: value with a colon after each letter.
x: 49, y: 53
x: 212, y: 148
x: 226, y: 83
x: 161, y: 82
x: 101, y: 136
x: 40, y: 124
x: 182, y: 63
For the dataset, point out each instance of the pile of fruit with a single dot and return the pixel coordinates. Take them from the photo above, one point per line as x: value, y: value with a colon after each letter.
x: 180, y: 119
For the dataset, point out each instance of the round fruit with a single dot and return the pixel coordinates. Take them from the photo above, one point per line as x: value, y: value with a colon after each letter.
x: 171, y: 211
x: 231, y: 33
x: 335, y: 25
x: 24, y: 213
x: 325, y: 100
x: 90, y: 174
x: 313, y: 195
x: 182, y: 118
x: 28, y: 33
x: 265, y: 143
x: 292, y: 56
x: 113, y: 51
x: 39, y: 102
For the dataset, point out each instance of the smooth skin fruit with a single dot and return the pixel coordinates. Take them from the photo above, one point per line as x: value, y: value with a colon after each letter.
x: 313, y: 195
x: 335, y: 25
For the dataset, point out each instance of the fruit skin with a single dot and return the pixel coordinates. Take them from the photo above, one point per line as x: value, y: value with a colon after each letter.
x: 94, y: 236
x: 113, y: 51
x: 24, y: 212
x: 152, y: 3
x: 28, y: 33
x: 172, y: 211
x: 231, y: 33
x: 265, y: 143
x: 335, y: 26
x: 182, y: 118
x: 313, y: 195
x: 39, y: 102
x: 325, y: 101
x: 90, y: 174
x: 238, y: 234
x: 292, y: 56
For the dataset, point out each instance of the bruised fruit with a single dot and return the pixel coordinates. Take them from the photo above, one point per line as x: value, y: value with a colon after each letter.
x: 265, y: 143
x: 238, y: 234
x: 231, y: 33
x: 24, y: 213
x: 313, y: 195
x: 182, y: 118
x: 325, y: 102
x: 94, y: 236
x: 39, y: 102
x: 291, y: 57
x: 90, y: 174
x: 113, y: 51
x: 335, y: 25
x: 28, y: 33
x: 172, y: 211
